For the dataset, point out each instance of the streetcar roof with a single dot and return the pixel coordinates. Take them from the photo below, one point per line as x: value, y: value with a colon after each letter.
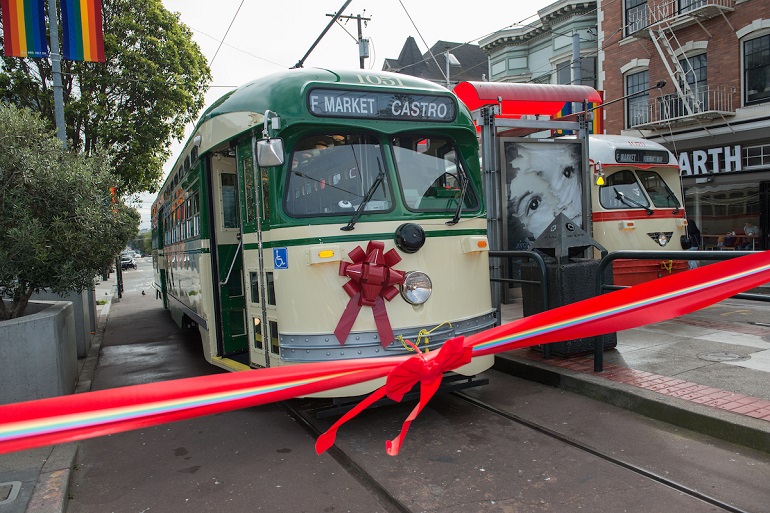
x: 602, y: 148
x: 243, y: 108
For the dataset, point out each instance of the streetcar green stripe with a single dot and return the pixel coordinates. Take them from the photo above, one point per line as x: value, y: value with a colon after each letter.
x: 357, y: 238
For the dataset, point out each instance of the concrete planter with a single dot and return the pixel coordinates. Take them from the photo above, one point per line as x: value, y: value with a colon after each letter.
x: 38, y: 353
x: 85, y: 315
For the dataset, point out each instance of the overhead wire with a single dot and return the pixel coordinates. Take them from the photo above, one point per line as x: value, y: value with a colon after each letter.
x: 226, y: 32
x: 520, y: 24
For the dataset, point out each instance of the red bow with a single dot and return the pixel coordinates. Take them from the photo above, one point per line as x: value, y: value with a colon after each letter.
x: 371, y: 281
x: 425, y: 368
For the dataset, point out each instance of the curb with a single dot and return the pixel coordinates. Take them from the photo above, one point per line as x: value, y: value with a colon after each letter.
x: 52, y: 488
x: 51, y: 491
x: 738, y: 429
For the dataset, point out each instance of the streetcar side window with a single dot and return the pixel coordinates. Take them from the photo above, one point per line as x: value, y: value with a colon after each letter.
x: 331, y: 174
x: 621, y: 190
x: 431, y: 174
x: 229, y: 201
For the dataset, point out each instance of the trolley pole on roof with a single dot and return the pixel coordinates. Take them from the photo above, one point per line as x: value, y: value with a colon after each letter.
x: 318, y: 40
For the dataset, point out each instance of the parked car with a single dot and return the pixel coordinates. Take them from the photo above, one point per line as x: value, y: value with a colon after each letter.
x: 127, y: 262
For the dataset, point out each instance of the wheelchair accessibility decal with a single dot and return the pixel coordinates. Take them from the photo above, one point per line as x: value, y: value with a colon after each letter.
x: 280, y: 258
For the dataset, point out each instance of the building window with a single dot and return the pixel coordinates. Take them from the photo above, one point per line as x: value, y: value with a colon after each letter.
x: 637, y: 106
x: 756, y: 70
x: 672, y: 105
x: 690, y: 5
x: 636, y: 15
x: 756, y: 157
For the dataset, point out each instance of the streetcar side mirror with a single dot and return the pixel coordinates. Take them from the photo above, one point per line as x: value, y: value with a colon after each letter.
x: 270, y: 152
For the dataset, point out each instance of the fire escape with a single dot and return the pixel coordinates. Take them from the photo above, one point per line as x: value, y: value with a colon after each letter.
x: 693, y: 102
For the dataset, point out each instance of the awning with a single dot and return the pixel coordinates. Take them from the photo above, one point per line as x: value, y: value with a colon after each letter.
x: 524, y: 99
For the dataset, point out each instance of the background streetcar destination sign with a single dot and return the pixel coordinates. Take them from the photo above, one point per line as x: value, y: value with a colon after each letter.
x: 390, y: 106
x: 641, y: 157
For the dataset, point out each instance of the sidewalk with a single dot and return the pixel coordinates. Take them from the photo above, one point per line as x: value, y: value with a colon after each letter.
x: 701, y: 372
x: 36, y: 481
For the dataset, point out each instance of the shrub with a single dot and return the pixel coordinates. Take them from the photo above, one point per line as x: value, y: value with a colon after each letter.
x: 58, y: 226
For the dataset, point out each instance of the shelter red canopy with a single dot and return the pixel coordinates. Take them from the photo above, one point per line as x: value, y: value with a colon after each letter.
x: 524, y: 99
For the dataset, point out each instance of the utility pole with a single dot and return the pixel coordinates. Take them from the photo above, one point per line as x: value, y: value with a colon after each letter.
x: 363, y: 44
x: 576, y: 71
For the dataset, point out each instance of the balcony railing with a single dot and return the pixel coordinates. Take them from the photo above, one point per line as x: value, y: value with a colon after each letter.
x: 675, y: 12
x: 707, y: 103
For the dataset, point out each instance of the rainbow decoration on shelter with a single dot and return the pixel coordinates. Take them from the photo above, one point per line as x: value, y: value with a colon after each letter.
x: 24, y: 28
x: 75, y: 417
x: 82, y: 36
x: 597, y: 124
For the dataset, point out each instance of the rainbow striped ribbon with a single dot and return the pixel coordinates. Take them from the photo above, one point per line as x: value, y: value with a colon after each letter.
x: 82, y: 36
x: 24, y: 28
x: 74, y: 417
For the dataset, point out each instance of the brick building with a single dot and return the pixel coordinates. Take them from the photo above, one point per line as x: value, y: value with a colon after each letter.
x: 714, y: 110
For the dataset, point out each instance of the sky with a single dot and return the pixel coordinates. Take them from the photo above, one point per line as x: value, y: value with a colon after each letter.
x: 247, y: 39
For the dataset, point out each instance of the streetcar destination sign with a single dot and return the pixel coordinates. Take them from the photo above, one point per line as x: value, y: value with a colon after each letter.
x: 390, y: 106
x: 641, y: 157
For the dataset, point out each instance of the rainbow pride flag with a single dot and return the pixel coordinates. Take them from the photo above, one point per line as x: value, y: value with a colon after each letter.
x: 596, y: 126
x: 82, y: 36
x: 24, y: 28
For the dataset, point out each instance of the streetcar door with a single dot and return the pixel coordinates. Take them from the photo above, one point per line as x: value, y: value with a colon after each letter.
x: 229, y: 255
x: 250, y: 210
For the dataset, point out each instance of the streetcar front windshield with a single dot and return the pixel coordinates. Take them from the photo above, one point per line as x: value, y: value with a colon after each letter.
x: 432, y: 175
x: 622, y: 190
x: 332, y: 173
x: 660, y: 193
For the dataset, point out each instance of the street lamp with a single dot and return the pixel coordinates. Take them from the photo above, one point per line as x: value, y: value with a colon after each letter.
x: 451, y: 60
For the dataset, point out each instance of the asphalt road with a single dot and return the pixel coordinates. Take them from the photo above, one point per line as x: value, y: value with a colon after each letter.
x: 457, y: 457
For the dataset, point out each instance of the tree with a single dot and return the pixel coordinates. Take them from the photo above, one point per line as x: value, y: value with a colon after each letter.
x: 133, y: 105
x: 59, y: 225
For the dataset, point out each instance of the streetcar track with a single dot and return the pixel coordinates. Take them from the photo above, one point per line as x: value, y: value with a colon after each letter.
x: 392, y: 504
x: 600, y: 454
x: 383, y: 496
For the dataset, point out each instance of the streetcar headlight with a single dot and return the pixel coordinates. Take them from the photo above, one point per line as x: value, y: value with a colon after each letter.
x: 662, y: 238
x: 417, y: 287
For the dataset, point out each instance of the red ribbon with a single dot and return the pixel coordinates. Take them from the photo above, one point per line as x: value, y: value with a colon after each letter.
x: 425, y: 368
x: 79, y: 416
x: 371, y: 281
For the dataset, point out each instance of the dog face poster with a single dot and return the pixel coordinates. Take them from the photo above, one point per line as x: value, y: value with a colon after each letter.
x: 542, y: 180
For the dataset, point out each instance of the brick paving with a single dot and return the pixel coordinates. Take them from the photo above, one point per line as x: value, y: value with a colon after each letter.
x: 665, y: 385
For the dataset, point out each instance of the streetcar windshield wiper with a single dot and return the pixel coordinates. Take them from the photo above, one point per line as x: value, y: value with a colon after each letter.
x: 463, y: 188
x: 631, y: 202
x: 368, y: 196
x: 676, y: 202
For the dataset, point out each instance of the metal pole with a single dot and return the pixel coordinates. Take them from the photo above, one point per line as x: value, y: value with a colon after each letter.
x: 58, y: 90
x: 587, y: 212
x: 361, y: 57
x: 446, y: 56
x: 576, y: 72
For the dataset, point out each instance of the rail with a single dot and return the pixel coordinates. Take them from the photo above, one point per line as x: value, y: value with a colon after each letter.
x: 601, y: 286
x: 707, y: 102
x: 543, y: 282
x: 232, y: 264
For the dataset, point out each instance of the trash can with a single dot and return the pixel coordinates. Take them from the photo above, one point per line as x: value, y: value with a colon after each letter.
x: 570, y: 279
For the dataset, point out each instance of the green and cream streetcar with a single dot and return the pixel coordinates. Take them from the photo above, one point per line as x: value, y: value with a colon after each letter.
x: 318, y: 215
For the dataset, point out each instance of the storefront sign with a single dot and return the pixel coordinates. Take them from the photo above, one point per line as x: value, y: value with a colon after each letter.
x: 710, y: 161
